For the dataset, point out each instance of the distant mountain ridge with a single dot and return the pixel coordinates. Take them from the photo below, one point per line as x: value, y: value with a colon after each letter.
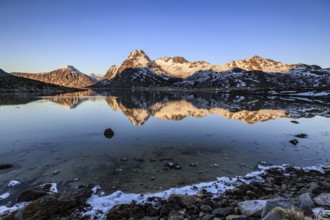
x: 11, y: 83
x: 139, y: 71
x: 67, y: 76
x: 179, y: 67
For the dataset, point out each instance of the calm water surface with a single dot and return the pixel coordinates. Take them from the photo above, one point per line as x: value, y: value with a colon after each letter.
x: 61, y: 138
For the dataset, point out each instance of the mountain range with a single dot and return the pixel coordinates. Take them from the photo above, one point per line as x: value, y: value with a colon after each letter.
x: 12, y: 83
x: 139, y: 71
x: 67, y: 76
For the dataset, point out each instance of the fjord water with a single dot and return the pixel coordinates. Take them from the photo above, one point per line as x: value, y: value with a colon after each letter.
x: 61, y: 138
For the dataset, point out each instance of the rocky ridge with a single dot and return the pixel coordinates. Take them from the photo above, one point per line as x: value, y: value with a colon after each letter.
x: 10, y: 84
x: 67, y: 76
x: 139, y: 71
x: 95, y: 76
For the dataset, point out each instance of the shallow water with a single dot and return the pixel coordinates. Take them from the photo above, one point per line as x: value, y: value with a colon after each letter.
x: 61, y: 138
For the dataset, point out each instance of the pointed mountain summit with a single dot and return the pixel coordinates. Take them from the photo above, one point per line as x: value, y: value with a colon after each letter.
x: 136, y: 59
x: 111, y: 73
x: 67, y: 76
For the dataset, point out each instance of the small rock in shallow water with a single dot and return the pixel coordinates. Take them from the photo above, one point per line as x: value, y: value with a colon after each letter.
x: 118, y: 170
x: 108, y: 133
x: 294, y: 141
x: 192, y: 165
x: 124, y: 159
x: 295, y: 122
x: 56, y: 172
x: 173, y: 165
x: 5, y: 166
x: 301, y: 135
x: 214, y: 165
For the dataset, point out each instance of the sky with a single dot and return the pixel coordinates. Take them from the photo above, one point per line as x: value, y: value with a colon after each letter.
x: 92, y: 35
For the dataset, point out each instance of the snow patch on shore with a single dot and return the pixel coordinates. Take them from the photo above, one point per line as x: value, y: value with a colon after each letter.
x: 5, y: 209
x: 14, y: 183
x: 4, y: 196
x: 100, y: 205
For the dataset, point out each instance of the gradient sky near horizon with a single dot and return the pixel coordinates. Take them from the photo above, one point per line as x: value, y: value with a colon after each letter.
x: 42, y: 35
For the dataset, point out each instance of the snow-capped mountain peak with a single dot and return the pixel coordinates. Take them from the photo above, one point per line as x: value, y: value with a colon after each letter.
x: 136, y: 59
x: 139, y: 57
x: 180, y: 67
x: 72, y: 68
x: 257, y: 63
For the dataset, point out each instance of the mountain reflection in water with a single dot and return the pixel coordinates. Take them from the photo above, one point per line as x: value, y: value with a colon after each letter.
x: 124, y: 140
x: 138, y: 107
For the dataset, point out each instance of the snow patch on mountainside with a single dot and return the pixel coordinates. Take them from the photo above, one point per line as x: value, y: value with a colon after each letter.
x: 180, y: 67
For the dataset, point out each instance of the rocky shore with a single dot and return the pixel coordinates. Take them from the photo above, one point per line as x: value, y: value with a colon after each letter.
x: 283, y: 192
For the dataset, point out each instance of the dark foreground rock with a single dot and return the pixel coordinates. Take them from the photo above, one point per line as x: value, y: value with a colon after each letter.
x: 109, y: 133
x: 5, y: 166
x: 54, y: 206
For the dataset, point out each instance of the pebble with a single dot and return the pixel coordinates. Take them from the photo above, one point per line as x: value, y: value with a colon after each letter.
x: 294, y: 141
x: 214, y: 165
x: 173, y: 165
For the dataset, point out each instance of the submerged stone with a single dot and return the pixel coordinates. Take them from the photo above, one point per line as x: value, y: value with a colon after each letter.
x: 173, y: 165
x: 5, y: 166
x: 294, y: 141
x: 301, y: 135
x: 109, y: 133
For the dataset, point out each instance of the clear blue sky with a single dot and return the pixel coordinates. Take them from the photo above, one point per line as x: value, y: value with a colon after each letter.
x: 42, y: 35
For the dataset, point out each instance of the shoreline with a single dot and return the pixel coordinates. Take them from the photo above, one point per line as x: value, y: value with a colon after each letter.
x: 209, y: 200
